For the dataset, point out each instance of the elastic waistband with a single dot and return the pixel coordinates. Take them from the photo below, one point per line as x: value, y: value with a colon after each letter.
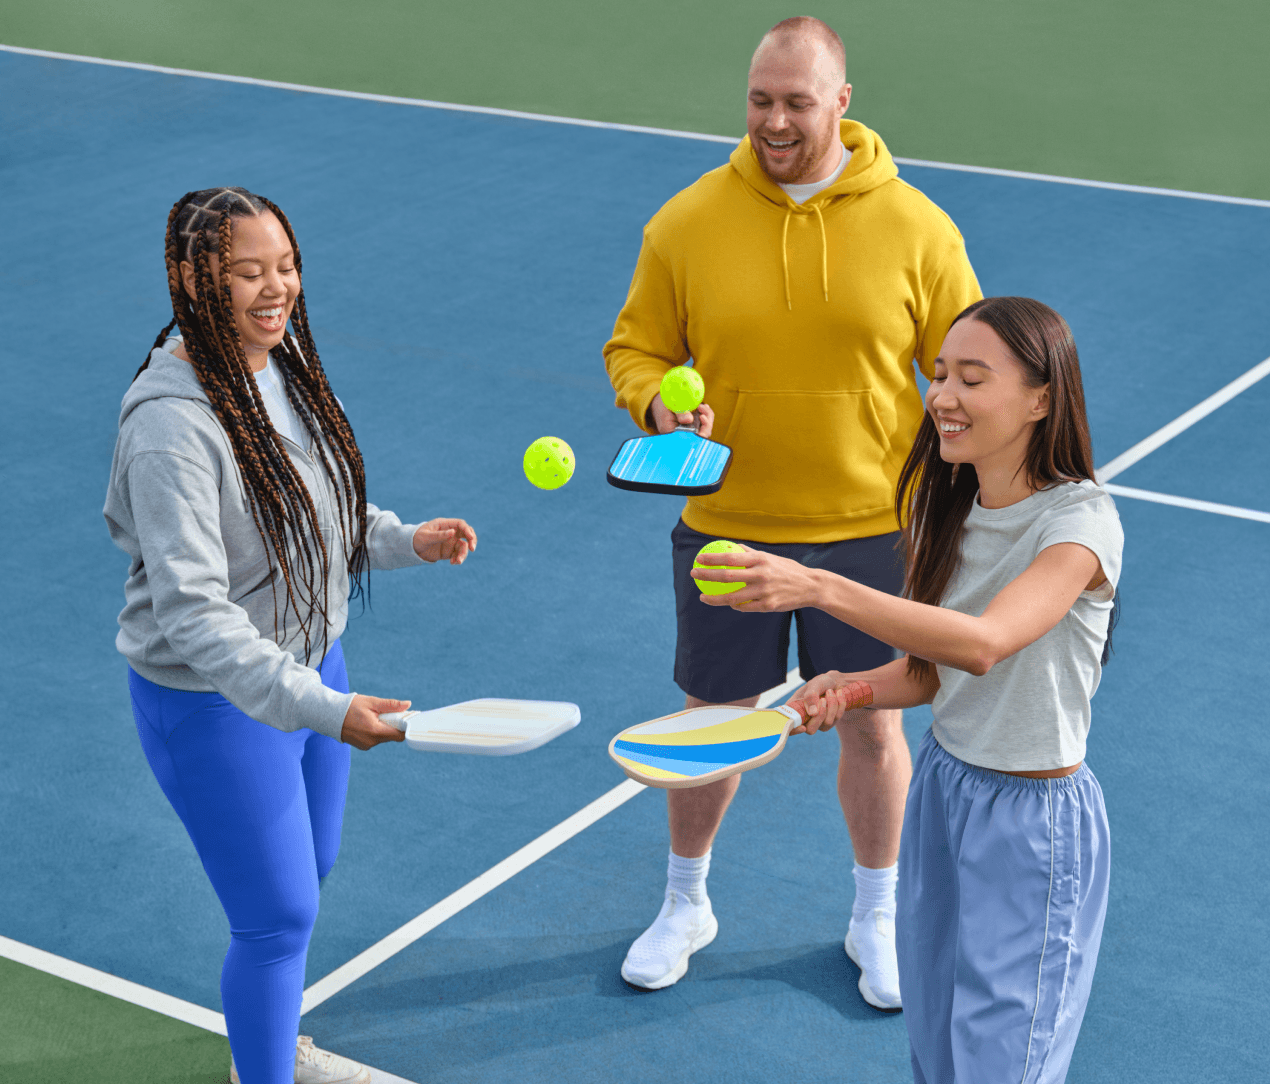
x: 942, y: 758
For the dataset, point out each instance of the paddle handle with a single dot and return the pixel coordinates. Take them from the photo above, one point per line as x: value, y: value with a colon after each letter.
x: 399, y: 719
x: 798, y: 716
x: 800, y: 712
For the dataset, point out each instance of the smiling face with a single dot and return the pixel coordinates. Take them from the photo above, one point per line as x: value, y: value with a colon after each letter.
x: 984, y: 411
x: 263, y: 283
x: 797, y: 95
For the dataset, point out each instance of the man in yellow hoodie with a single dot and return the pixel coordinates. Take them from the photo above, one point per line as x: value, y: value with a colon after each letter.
x: 803, y: 279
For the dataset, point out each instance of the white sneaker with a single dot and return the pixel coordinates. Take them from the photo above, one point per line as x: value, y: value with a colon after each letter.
x: 871, y: 946
x: 314, y: 1066
x: 659, y: 956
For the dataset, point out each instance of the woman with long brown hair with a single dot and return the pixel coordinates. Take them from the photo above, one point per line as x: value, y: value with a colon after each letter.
x: 1013, y: 555
x: 239, y: 493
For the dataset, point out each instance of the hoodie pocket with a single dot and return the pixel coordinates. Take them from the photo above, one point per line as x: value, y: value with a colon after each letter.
x: 806, y: 455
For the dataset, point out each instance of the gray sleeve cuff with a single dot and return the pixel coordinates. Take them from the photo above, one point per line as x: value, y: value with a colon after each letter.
x: 389, y: 542
x: 327, y: 716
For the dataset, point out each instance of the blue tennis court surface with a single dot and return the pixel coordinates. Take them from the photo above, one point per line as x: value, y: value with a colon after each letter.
x: 462, y: 273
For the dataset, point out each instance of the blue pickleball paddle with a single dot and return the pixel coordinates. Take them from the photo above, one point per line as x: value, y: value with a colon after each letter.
x: 677, y: 462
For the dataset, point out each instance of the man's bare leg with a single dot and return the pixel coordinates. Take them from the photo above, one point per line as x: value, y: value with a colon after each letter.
x: 874, y: 769
x: 696, y: 812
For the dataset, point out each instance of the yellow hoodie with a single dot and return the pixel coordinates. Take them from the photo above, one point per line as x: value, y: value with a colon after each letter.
x: 803, y: 320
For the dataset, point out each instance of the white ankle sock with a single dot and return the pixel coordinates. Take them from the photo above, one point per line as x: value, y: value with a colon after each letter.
x: 688, y: 876
x: 874, y: 888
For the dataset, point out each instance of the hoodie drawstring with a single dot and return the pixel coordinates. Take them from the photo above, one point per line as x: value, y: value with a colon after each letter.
x: 824, y: 253
x: 785, y: 257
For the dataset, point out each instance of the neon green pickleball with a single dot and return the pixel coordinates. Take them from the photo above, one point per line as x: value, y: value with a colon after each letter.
x: 682, y: 389
x: 712, y: 587
x: 549, y: 462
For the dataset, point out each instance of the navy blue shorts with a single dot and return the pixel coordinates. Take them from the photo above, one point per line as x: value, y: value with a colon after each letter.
x: 722, y: 654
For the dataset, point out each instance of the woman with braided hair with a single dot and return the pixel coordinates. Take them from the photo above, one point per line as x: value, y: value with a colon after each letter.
x: 238, y: 491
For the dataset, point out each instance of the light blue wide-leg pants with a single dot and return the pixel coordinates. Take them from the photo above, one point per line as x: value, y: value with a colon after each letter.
x: 1000, y: 905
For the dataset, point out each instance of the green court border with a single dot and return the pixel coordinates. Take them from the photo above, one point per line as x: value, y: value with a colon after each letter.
x: 1157, y: 93
x: 587, y: 123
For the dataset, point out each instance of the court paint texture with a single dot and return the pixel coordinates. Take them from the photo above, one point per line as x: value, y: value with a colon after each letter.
x: 462, y: 272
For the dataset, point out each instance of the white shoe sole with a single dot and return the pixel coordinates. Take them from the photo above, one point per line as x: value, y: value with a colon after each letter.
x: 681, y: 966
x: 361, y: 1076
x: 866, y: 991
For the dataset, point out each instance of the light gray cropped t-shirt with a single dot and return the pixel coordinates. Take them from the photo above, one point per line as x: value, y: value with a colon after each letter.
x: 1030, y: 711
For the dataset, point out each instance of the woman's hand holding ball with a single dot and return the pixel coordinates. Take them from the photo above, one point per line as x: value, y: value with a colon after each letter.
x: 749, y: 579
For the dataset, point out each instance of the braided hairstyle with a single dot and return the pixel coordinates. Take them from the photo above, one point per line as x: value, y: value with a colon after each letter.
x: 199, y: 224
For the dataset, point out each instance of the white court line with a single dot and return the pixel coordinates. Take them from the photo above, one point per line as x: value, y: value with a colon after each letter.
x: 134, y: 994
x: 1143, y: 190
x: 365, y: 962
x: 1188, y: 502
x: 105, y: 983
x: 610, y: 125
x: 389, y: 946
x: 386, y: 99
x: 378, y: 1076
x: 792, y: 681
x: 430, y: 919
x: 1183, y: 422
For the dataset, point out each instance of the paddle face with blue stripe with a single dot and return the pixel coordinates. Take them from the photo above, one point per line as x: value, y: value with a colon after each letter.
x: 678, y: 462
x: 698, y: 746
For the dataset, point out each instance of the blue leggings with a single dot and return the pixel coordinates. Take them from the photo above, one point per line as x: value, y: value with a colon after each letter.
x: 264, y: 810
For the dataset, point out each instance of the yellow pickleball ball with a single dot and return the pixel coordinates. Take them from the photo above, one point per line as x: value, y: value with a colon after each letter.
x: 549, y: 462
x: 682, y: 389
x: 712, y: 587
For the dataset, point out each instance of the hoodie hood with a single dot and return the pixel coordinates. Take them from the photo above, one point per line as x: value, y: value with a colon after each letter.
x: 166, y: 377
x: 205, y: 607
x: 871, y: 166
x: 818, y: 404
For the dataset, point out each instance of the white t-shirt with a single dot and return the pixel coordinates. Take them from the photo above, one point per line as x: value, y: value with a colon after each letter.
x: 1030, y: 711
x: 801, y: 193
x: 274, y: 393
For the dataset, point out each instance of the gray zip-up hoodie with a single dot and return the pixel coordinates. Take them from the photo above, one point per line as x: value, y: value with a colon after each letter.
x: 200, y: 606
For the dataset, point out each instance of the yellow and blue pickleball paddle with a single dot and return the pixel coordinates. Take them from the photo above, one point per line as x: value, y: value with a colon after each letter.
x: 700, y: 745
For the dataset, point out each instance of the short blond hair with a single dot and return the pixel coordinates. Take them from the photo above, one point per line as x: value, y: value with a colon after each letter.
x: 808, y: 26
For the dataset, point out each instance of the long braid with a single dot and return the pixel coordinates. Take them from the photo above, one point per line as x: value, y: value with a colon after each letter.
x: 281, y: 506
x: 230, y: 386
x: 274, y: 462
x: 172, y: 263
x: 307, y: 382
